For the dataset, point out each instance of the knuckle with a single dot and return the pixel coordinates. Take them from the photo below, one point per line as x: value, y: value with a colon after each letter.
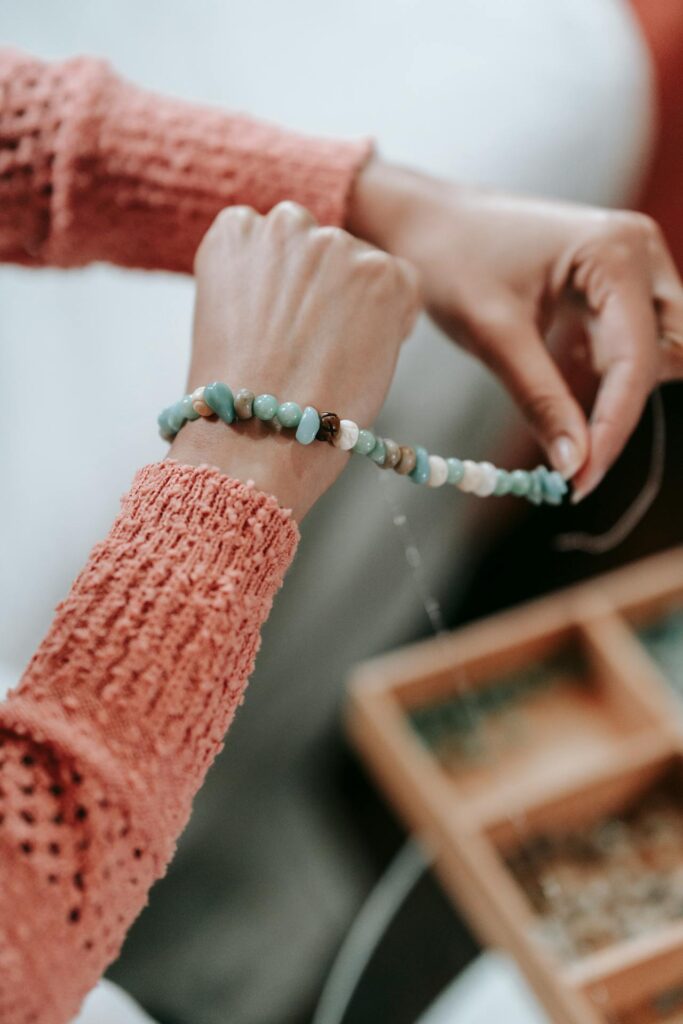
x: 290, y: 213
x: 329, y: 234
x: 494, y: 320
x: 374, y: 263
x: 234, y: 215
x: 409, y: 280
x: 629, y: 231
x: 229, y: 220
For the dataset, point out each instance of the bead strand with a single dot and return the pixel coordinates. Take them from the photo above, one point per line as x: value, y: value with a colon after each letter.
x: 540, y: 485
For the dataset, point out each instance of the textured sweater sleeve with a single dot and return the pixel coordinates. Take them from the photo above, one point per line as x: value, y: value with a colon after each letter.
x: 94, y: 168
x: 117, y: 719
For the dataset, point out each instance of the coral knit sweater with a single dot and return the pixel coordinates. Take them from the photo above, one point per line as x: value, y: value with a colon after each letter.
x: 125, y: 704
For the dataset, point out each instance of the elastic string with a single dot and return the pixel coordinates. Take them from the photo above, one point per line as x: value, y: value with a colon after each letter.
x: 598, y: 544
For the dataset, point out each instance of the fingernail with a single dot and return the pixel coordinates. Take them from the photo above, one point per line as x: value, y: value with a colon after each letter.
x: 565, y: 456
x: 579, y: 493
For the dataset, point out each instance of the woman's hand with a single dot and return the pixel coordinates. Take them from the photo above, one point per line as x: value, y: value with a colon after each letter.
x: 308, y: 314
x: 496, y: 268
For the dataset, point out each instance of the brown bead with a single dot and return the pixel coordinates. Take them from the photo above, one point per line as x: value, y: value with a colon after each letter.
x: 244, y: 404
x: 393, y: 454
x: 329, y: 426
x: 406, y: 463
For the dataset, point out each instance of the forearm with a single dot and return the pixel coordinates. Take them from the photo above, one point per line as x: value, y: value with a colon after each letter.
x: 117, y: 719
x: 94, y: 168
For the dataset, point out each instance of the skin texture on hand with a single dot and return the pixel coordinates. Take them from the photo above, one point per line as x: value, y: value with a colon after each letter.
x: 303, y: 312
x: 496, y: 270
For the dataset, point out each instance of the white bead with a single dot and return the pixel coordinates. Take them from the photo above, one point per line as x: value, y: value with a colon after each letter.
x: 438, y: 471
x: 198, y: 403
x: 489, y: 478
x: 347, y: 436
x: 471, y: 476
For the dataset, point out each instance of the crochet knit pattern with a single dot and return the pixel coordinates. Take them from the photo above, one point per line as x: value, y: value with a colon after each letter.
x: 94, y: 168
x: 117, y: 719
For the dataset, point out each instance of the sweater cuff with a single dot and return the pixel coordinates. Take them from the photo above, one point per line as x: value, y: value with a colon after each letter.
x: 137, y: 178
x: 150, y: 652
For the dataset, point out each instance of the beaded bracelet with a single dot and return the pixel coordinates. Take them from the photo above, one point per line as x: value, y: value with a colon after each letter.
x: 480, y: 478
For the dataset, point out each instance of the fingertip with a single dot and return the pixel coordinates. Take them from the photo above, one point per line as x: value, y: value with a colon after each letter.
x: 567, y: 454
x: 599, y: 460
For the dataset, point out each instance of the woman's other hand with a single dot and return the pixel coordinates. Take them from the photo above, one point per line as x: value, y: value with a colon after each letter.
x: 495, y: 270
x: 306, y: 313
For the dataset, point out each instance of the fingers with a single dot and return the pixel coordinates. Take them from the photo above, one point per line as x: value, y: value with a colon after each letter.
x: 616, y: 281
x: 668, y: 294
x: 515, y: 351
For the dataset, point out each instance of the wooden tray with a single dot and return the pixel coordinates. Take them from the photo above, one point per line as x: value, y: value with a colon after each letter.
x: 539, y: 721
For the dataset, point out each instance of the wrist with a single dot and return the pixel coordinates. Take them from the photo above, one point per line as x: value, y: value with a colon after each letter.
x: 384, y: 201
x: 252, y: 451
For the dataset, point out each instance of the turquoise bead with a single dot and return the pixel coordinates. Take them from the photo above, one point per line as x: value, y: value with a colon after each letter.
x: 519, y: 482
x: 175, y: 416
x: 503, y: 483
x: 309, y: 425
x: 420, y: 475
x: 219, y: 399
x: 265, y: 406
x: 456, y: 471
x: 553, y: 484
x: 188, y: 411
x: 164, y: 426
x: 379, y: 452
x: 560, y: 482
x: 535, y: 492
x: 365, y: 443
x: 289, y: 414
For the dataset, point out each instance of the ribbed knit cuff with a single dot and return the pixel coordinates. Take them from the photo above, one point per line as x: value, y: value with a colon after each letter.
x: 149, y: 654
x: 136, y: 178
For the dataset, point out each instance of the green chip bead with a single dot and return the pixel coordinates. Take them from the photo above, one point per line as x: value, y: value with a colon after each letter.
x: 420, y: 475
x: 289, y: 414
x: 219, y: 399
x: 265, y: 407
x: 553, y: 484
x: 503, y: 483
x: 535, y: 492
x: 165, y: 426
x: 379, y: 452
x: 175, y: 416
x: 456, y: 471
x: 189, y: 412
x: 309, y: 425
x: 365, y: 443
x: 519, y: 482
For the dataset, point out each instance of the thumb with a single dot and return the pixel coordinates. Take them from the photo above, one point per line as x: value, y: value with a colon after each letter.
x: 517, y: 354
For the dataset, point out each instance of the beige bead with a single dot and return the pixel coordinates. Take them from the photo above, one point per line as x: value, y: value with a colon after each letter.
x: 406, y: 463
x: 438, y: 471
x: 198, y: 403
x: 347, y: 436
x: 244, y: 404
x: 393, y: 454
